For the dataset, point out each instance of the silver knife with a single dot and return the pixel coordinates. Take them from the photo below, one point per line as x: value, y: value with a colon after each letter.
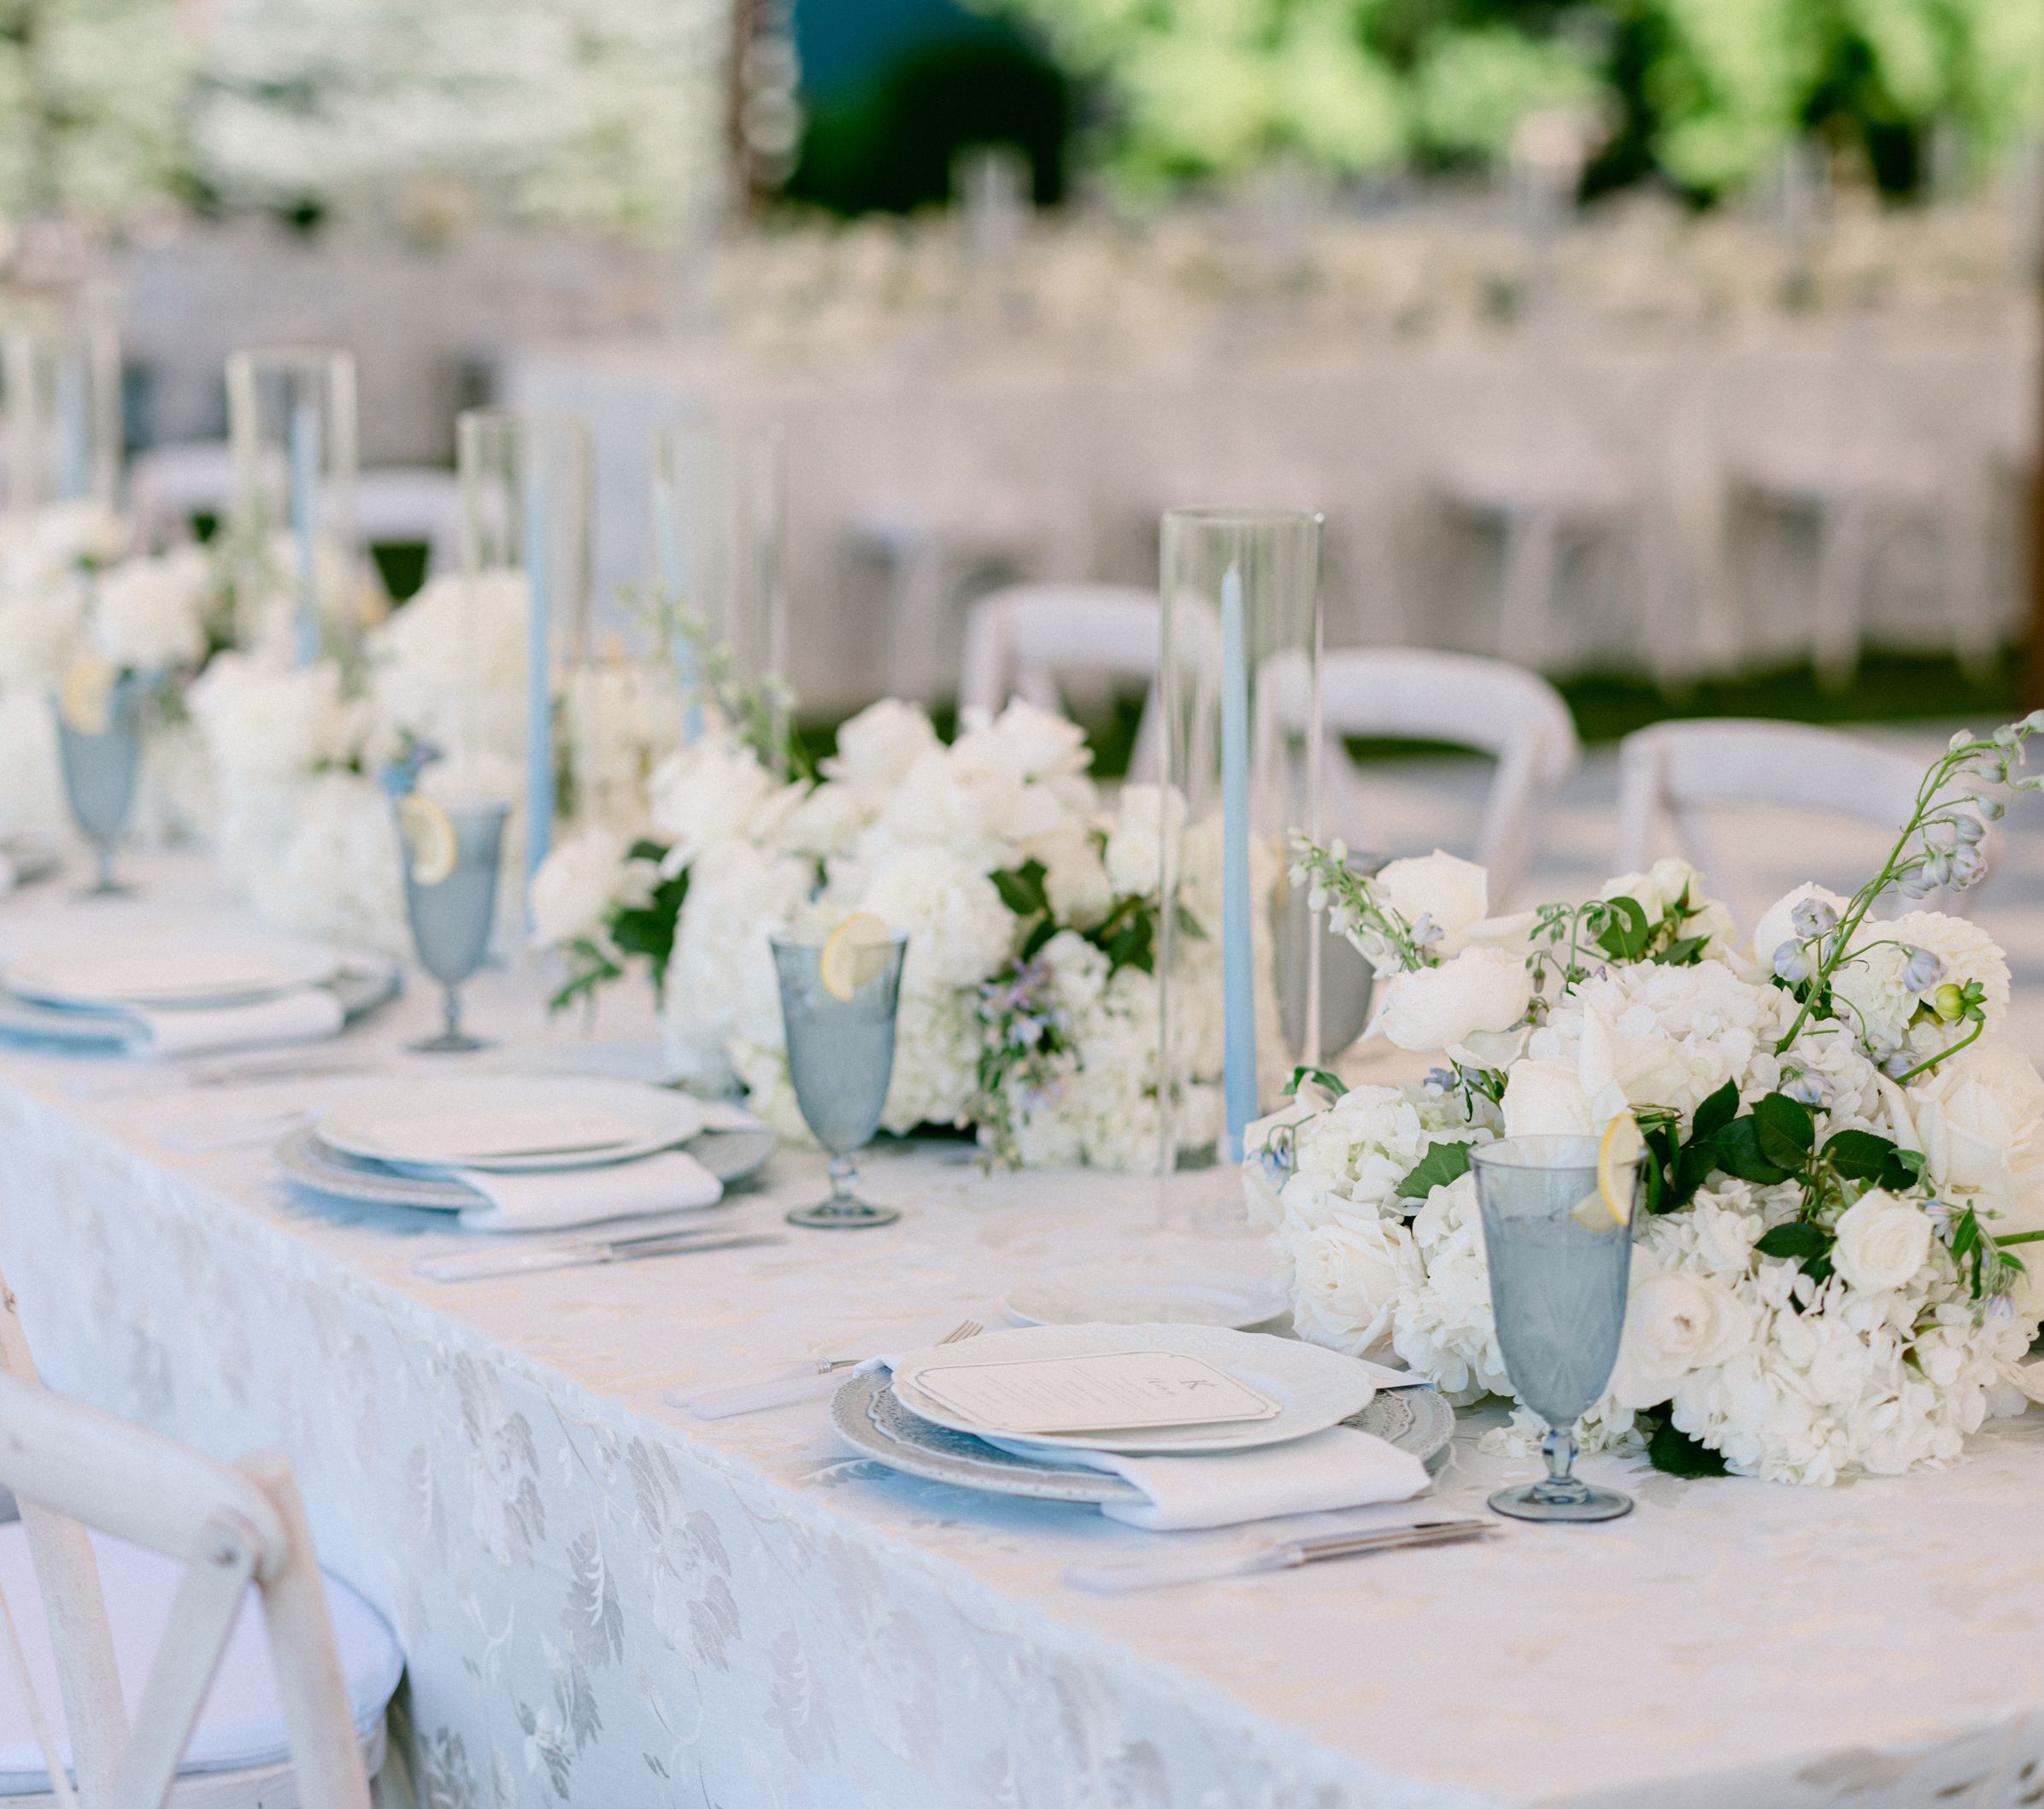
x: 483, y: 1265
x: 1210, y: 1565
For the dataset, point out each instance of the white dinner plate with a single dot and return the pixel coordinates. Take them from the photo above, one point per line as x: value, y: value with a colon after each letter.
x: 167, y: 971
x: 1137, y: 1297
x: 1314, y: 1388
x: 481, y: 1122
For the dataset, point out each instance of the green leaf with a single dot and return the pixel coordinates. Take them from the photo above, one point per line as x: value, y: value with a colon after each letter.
x: 1716, y: 1112
x: 1685, y: 951
x: 1032, y: 943
x: 1787, y: 1132
x: 1021, y: 887
x: 1626, y: 932
x: 1736, y: 1150
x: 1332, y: 1083
x: 1859, y: 1156
x: 1673, y: 1451
x: 1795, y: 1239
x: 1442, y: 1164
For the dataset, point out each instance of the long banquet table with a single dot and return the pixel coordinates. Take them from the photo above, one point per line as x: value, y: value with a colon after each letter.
x: 604, y: 1602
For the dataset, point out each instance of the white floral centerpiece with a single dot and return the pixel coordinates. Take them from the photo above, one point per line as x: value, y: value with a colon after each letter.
x: 77, y: 614
x: 305, y: 825
x: 1030, y: 1005
x: 1844, y: 1163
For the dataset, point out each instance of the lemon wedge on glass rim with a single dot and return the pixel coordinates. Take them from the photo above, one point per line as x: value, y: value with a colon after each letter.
x: 1619, y: 1153
x: 429, y: 833
x: 84, y: 697
x: 855, y: 953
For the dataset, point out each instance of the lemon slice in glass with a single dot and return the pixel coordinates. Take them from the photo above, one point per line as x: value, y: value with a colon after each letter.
x: 429, y: 833
x: 83, y: 697
x: 856, y: 953
x: 1618, y: 1158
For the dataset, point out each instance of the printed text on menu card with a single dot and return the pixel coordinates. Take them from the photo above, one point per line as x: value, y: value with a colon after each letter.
x: 1116, y: 1391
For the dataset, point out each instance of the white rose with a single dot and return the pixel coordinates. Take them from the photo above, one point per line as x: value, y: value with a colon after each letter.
x: 1453, y: 893
x: 1981, y: 1121
x: 1135, y: 854
x: 148, y: 613
x: 1547, y: 1099
x: 959, y: 930
x: 1431, y: 1008
x: 1776, y: 924
x: 1881, y: 1241
x: 1075, y: 878
x: 1675, y: 1323
x: 878, y: 745
x: 703, y: 794
x: 572, y: 892
x: 1346, y: 1279
x: 1662, y: 885
x: 1041, y: 745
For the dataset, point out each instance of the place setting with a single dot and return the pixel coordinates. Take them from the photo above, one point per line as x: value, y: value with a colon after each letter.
x: 625, y: 1165
x: 177, y: 992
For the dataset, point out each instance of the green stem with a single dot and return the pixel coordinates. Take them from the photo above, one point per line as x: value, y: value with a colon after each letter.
x: 1980, y: 1025
x: 2019, y: 1237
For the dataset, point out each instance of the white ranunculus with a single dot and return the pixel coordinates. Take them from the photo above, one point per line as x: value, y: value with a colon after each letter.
x: 1135, y: 853
x: 1980, y: 1118
x: 1434, y: 1008
x: 1041, y: 746
x: 1075, y: 878
x: 1676, y: 1322
x: 1966, y: 950
x: 1881, y: 1241
x: 877, y: 746
x: 1547, y: 1099
x: 1347, y: 1277
x: 573, y: 891
x: 1453, y: 893
x: 1776, y: 924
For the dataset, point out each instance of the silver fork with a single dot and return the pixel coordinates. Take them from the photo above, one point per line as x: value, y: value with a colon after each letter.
x: 812, y: 1382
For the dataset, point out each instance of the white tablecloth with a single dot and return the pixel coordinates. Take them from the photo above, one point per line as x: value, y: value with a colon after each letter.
x: 1034, y: 461
x: 603, y: 1602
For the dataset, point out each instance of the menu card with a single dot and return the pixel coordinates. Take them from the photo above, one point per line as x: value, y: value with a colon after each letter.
x: 1108, y: 1391
x: 545, y: 1131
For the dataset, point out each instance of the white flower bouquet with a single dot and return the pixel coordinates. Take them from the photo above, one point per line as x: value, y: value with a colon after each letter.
x: 1844, y: 1166
x: 1029, y: 1006
x: 79, y: 613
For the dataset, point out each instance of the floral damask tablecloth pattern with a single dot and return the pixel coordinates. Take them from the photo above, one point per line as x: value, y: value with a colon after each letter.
x: 604, y: 1603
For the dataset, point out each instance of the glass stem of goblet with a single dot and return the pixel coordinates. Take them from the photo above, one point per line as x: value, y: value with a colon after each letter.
x: 450, y: 1011
x: 105, y: 851
x: 1559, y: 1449
x: 844, y: 1177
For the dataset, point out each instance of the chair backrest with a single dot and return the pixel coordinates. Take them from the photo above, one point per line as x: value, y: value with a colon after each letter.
x: 1490, y: 705
x: 72, y: 1467
x: 1676, y: 769
x: 1021, y: 638
x: 169, y: 484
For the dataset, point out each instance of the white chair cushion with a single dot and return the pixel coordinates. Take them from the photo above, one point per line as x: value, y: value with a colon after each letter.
x: 241, y: 1725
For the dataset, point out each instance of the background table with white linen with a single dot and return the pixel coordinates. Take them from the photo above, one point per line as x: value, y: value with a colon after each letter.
x: 604, y: 1602
x: 1688, y: 467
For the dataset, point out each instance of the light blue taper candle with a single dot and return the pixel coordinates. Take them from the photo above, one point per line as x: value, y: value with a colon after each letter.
x: 1237, y: 955
x: 305, y: 521
x: 674, y: 586
x: 535, y: 498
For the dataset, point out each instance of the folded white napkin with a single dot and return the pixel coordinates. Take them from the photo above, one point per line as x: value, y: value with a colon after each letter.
x: 306, y: 1014
x: 1339, y: 1468
x: 554, y: 1198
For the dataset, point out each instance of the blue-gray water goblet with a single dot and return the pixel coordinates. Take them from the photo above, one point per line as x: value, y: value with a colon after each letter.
x: 101, y: 767
x: 841, y: 1058
x: 452, y: 916
x: 1558, y: 1286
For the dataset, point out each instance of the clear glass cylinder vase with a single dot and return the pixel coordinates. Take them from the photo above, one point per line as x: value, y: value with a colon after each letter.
x: 1239, y: 694
x: 60, y: 382
x: 526, y: 501
x: 719, y: 553
x: 291, y: 421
